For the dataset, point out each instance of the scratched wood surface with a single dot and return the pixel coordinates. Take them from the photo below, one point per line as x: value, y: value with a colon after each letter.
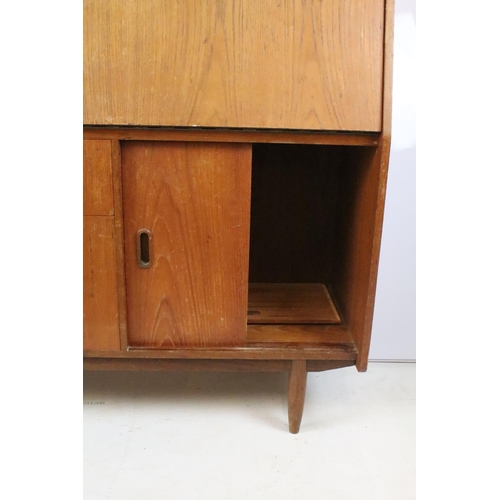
x: 298, y: 64
x: 195, y: 200
x: 100, y: 296
x: 97, y: 178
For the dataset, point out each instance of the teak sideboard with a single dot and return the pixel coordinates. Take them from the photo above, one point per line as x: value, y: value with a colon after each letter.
x: 235, y: 160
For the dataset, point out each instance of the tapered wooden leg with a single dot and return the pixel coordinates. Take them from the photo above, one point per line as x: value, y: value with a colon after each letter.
x: 296, y: 393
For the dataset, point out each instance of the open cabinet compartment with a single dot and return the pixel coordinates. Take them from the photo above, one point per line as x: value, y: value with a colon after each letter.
x: 312, y: 208
x: 295, y: 222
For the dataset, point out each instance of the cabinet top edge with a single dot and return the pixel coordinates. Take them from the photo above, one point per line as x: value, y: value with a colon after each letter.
x: 202, y: 134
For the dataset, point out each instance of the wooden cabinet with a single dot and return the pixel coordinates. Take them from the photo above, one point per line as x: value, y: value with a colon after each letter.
x: 235, y: 163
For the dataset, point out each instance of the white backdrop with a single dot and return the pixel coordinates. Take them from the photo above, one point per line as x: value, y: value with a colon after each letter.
x: 393, y: 335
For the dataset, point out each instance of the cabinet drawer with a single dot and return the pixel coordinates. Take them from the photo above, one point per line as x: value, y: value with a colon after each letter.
x: 307, y: 65
x: 97, y: 178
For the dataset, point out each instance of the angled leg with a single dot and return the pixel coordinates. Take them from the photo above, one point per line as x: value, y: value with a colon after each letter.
x: 296, y: 393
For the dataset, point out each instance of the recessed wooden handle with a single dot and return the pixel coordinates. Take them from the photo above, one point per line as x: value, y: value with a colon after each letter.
x: 144, y: 248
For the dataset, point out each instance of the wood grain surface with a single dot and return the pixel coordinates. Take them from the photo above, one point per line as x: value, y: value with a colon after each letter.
x: 116, y: 162
x: 100, y: 300
x: 195, y: 201
x: 294, y: 199
x: 97, y: 178
x: 298, y: 64
x: 218, y: 365
x: 270, y: 351
x: 290, y: 303
x: 196, y: 134
x: 336, y: 336
x: 296, y: 393
x: 361, y: 216
x: 314, y: 342
x: 222, y: 365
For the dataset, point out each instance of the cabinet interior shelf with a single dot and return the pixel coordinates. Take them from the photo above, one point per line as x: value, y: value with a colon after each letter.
x: 290, y: 304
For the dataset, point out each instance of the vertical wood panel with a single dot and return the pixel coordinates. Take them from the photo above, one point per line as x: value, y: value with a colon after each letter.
x: 297, y: 64
x: 97, y: 178
x: 195, y: 200
x: 373, y: 205
x: 362, y: 181
x: 294, y: 197
x: 100, y: 302
x: 120, y: 251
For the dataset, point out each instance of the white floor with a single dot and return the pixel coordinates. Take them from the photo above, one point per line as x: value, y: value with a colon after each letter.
x: 193, y: 436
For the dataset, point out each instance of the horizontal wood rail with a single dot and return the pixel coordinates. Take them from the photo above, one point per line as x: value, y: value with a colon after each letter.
x: 195, y: 134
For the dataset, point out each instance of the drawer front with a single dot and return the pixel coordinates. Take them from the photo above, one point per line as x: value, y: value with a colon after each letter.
x: 97, y: 178
x: 307, y: 65
x: 186, y: 225
x: 100, y: 295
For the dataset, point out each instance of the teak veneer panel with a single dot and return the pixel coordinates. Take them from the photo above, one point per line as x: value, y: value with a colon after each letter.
x: 294, y: 199
x: 97, y: 178
x: 100, y: 296
x: 234, y: 63
x: 195, y: 201
x: 290, y: 303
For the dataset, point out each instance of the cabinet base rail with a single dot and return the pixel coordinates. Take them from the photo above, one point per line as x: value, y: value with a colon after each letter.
x: 296, y: 368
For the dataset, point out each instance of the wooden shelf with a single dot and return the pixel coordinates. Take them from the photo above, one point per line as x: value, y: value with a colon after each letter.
x: 290, y: 304
x: 326, y: 336
x: 264, y: 342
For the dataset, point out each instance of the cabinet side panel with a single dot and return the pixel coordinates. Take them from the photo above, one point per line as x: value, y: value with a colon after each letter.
x: 97, y: 178
x: 195, y: 201
x: 355, y: 281
x: 358, y: 231
x: 100, y: 300
x: 234, y: 63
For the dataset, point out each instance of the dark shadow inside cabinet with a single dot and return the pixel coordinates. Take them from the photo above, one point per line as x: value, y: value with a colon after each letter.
x: 310, y: 212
